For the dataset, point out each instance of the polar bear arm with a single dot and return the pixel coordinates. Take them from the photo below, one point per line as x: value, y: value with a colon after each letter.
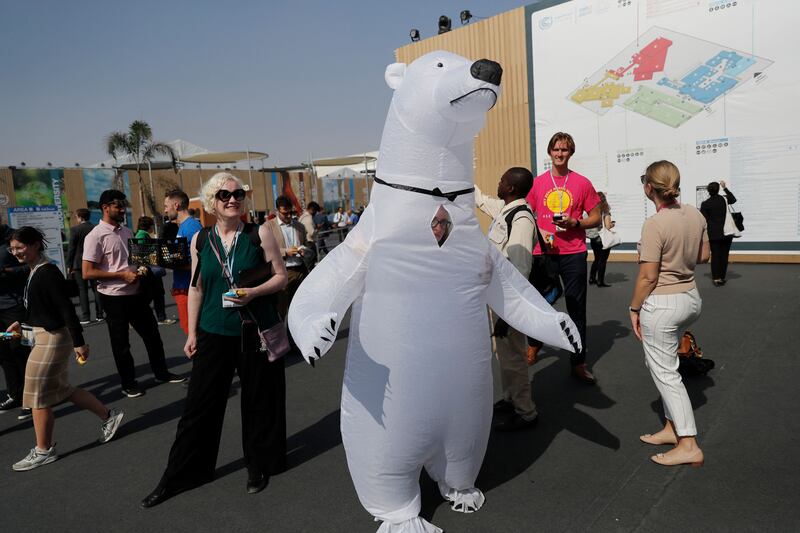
x: 323, y: 298
x: 520, y: 305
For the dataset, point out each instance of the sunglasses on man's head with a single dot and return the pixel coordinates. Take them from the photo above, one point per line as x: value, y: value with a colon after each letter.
x: 225, y: 195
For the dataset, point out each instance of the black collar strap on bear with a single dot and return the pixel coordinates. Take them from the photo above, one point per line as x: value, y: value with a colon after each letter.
x: 430, y: 192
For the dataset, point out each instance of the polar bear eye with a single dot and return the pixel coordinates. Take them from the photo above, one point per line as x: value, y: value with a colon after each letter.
x: 440, y: 65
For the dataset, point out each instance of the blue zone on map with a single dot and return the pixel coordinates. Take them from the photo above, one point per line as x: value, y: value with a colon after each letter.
x: 706, y: 83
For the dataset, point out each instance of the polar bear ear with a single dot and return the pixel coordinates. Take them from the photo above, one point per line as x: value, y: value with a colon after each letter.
x: 394, y: 74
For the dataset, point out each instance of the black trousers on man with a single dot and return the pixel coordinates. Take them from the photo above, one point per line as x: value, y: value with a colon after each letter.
x: 133, y: 310
x: 720, y: 249
x: 572, y: 271
x: 193, y: 457
x: 13, y: 356
x: 83, y: 297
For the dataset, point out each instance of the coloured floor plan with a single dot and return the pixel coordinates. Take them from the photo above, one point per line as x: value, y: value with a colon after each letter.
x: 668, y: 77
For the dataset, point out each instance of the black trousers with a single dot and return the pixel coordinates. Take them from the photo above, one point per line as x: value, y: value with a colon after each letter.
x: 193, y: 457
x: 598, y: 270
x: 720, y: 249
x: 133, y: 310
x: 83, y: 296
x: 572, y: 271
x: 13, y: 356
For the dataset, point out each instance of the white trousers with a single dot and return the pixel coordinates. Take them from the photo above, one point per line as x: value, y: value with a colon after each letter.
x: 664, y: 318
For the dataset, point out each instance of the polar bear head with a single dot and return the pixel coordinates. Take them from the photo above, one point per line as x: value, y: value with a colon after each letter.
x: 439, y: 105
x: 444, y: 97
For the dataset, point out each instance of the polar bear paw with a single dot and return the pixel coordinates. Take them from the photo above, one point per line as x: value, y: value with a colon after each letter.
x: 570, y: 331
x: 318, y: 335
x: 464, y: 501
x: 412, y: 525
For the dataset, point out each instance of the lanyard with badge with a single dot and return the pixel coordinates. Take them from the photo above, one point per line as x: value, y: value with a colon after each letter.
x: 27, y: 331
x: 28, y: 284
x: 561, y: 190
x: 230, y: 259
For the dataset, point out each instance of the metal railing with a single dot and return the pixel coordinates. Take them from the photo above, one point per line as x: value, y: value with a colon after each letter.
x: 327, y: 240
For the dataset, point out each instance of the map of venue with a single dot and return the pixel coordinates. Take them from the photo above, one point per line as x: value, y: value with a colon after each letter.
x: 668, y: 77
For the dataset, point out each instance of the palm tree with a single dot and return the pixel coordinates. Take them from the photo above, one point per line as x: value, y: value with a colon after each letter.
x: 137, y: 143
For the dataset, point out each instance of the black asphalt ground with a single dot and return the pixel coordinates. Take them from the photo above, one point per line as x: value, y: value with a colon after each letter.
x: 582, y: 468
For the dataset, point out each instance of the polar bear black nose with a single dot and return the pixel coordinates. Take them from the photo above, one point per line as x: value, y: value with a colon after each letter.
x: 486, y: 70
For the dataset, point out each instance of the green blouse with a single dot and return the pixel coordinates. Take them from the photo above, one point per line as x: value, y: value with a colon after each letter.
x: 227, y: 321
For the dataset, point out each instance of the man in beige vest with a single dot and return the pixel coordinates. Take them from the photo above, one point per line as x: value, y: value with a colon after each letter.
x: 295, y: 249
x: 516, y: 409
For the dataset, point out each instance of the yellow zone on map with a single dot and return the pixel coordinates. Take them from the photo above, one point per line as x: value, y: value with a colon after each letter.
x: 605, y: 90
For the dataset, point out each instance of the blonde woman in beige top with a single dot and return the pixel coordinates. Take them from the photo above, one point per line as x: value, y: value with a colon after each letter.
x: 665, y: 302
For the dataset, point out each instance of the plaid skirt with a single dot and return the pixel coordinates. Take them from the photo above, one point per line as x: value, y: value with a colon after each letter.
x: 46, y: 382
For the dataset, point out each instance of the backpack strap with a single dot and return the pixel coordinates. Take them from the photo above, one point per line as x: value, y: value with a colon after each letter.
x: 510, y: 220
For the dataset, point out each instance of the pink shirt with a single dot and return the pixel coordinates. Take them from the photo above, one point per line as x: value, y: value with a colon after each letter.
x: 107, y: 247
x: 573, y: 195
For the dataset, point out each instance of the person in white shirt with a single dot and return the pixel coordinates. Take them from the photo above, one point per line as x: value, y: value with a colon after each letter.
x: 295, y: 250
x: 340, y: 218
x: 516, y: 409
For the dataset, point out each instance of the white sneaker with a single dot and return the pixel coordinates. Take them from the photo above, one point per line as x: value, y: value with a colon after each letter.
x: 110, y: 426
x: 35, y: 459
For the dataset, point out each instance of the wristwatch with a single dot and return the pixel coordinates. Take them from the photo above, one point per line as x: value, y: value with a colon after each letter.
x: 634, y: 310
x: 577, y: 223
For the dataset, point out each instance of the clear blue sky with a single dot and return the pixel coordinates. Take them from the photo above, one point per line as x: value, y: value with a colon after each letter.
x: 286, y: 77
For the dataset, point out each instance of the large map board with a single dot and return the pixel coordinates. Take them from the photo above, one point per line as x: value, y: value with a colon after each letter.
x: 711, y: 86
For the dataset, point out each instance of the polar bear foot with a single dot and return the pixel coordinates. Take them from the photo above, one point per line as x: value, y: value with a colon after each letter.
x: 463, y: 501
x: 412, y: 525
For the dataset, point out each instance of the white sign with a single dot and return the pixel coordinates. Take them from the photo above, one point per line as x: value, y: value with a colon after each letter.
x: 710, y: 86
x: 47, y: 219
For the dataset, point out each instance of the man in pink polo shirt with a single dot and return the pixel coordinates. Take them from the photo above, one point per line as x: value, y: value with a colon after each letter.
x: 560, y: 197
x: 105, y: 259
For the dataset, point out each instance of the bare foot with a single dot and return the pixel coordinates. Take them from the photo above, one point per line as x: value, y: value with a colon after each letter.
x: 680, y: 456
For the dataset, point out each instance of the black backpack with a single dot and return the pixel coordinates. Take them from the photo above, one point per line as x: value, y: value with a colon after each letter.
x: 544, y: 273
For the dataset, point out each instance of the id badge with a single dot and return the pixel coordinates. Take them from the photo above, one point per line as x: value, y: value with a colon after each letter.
x: 227, y: 304
x: 28, y: 339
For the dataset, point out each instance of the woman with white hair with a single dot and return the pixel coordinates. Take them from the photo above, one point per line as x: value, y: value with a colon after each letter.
x: 665, y: 302
x: 219, y: 344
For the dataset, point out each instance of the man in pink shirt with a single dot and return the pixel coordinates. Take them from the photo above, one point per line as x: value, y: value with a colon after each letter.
x: 559, y: 198
x: 105, y: 259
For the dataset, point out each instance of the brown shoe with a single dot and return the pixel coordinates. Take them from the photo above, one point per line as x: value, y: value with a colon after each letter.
x: 581, y: 373
x: 533, y: 354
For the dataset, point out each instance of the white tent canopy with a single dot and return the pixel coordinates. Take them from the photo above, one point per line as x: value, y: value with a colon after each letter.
x: 346, y: 167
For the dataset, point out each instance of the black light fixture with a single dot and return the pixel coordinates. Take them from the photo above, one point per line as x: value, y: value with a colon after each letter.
x: 49, y: 164
x: 77, y: 164
x: 101, y: 164
x: 465, y: 16
x: 22, y: 164
x: 445, y: 24
x: 414, y: 34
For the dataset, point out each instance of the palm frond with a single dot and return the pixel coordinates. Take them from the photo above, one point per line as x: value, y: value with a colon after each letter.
x: 117, y: 144
x: 156, y: 148
x: 140, y: 131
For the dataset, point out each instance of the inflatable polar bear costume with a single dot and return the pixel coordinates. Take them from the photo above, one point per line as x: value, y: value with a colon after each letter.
x: 418, y: 380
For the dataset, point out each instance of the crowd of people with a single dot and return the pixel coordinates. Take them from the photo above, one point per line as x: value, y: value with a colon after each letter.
x: 242, y: 276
